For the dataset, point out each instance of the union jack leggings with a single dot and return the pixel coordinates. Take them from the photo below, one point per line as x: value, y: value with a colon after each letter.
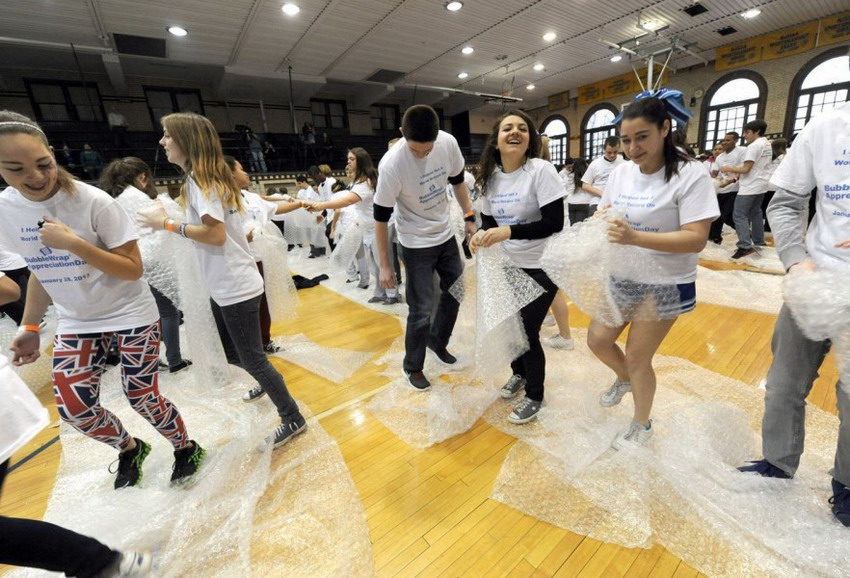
x: 78, y: 365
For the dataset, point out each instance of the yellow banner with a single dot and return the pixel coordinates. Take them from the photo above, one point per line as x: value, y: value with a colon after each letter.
x: 790, y: 41
x: 618, y: 86
x: 614, y: 88
x: 739, y: 54
x: 559, y: 101
x: 834, y: 29
x: 591, y: 93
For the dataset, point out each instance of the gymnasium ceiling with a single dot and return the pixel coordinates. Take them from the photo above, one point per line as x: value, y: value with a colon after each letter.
x: 243, y: 49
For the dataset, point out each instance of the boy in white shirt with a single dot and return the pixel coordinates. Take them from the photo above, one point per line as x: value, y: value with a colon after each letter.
x: 595, y: 178
x: 726, y: 185
x: 752, y: 185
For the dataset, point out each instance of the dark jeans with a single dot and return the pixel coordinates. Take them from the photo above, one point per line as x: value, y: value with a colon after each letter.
x: 726, y: 202
x: 532, y: 364
x: 420, y: 264
x: 579, y: 212
x: 265, y: 314
x: 239, y: 328
x: 36, y: 544
x: 169, y: 315
x: 15, y: 309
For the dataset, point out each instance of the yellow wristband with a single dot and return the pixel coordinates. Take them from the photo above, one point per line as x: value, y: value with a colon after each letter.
x: 171, y: 225
x: 469, y: 213
x: 33, y: 328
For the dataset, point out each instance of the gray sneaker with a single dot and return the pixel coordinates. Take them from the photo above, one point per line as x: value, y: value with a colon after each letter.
x: 637, y: 435
x: 615, y: 393
x: 289, y: 428
x: 253, y: 394
x: 525, y: 411
x: 514, y: 385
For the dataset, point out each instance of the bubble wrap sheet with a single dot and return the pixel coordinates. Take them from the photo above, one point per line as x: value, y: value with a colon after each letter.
x: 611, y: 283
x: 346, y: 250
x: 332, y: 363
x: 280, y: 289
x: 765, y: 258
x: 297, y: 227
x: 251, y: 511
x: 36, y: 375
x: 682, y: 491
x: 740, y: 290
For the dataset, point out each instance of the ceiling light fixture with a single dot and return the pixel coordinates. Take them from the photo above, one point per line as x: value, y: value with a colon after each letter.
x: 617, y: 58
x: 463, y: 75
x: 549, y: 36
x: 467, y: 50
x: 650, y: 25
x: 178, y: 31
x: 530, y: 87
x: 290, y: 9
x: 539, y: 66
x: 751, y: 13
x: 454, y: 6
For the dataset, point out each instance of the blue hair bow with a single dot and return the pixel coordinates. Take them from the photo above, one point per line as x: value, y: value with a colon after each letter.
x: 673, y: 99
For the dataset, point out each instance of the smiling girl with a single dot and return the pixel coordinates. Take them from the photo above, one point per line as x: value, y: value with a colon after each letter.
x: 81, y: 248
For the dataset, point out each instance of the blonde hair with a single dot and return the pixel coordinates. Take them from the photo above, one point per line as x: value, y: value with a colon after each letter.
x: 544, y: 148
x: 12, y: 123
x: 198, y: 139
x: 325, y: 170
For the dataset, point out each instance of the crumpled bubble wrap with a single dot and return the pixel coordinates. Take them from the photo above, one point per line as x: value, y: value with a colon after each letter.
x: 682, y: 490
x: 346, y: 250
x: 38, y: 374
x: 765, y: 258
x: 740, y: 289
x: 332, y: 363
x: 297, y: 226
x: 281, y: 293
x: 612, y: 283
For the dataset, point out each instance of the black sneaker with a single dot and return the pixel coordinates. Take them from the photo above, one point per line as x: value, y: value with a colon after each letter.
x: 186, y: 463
x: 270, y: 347
x: 184, y: 364
x: 765, y: 469
x: 392, y: 301
x: 253, y: 394
x: 377, y: 299
x: 444, y: 355
x: 741, y: 253
x: 289, y: 428
x: 417, y: 380
x: 130, y: 465
x: 840, y: 501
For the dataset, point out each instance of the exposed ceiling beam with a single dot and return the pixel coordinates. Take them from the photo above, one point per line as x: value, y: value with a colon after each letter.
x: 293, y: 52
x: 367, y: 94
x: 243, y: 33
x: 112, y: 64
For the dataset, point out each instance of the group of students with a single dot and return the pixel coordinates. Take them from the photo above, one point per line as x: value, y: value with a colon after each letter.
x: 81, y: 247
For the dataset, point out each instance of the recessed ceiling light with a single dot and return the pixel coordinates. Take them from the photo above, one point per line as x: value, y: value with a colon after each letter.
x: 290, y: 9
x: 617, y: 58
x: 530, y: 87
x: 752, y: 13
x: 178, y: 31
x: 650, y: 25
x: 463, y: 75
x: 538, y: 67
x: 454, y: 6
x: 467, y: 50
x: 549, y: 36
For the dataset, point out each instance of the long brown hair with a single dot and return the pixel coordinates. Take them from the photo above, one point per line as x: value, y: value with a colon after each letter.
x: 122, y: 173
x: 492, y: 158
x: 365, y: 168
x: 196, y: 136
x: 16, y: 123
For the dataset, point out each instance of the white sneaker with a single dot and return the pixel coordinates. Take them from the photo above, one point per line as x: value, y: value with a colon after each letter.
x: 637, y: 435
x: 549, y: 320
x: 615, y: 393
x: 558, y: 341
x: 134, y: 564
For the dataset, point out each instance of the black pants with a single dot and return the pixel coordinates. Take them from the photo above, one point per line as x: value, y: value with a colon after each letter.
x: 15, y: 309
x: 532, y: 364
x: 726, y: 201
x: 36, y: 544
x: 579, y: 212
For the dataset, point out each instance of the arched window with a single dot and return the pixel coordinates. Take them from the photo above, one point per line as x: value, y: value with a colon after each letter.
x: 558, y: 131
x: 821, y: 85
x: 731, y: 102
x: 598, y: 124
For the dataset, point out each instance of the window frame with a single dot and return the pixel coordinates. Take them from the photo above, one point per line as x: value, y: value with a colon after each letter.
x: 587, y: 134
x: 383, y: 108
x: 795, y: 90
x: 327, y: 124
x: 70, y: 106
x: 560, y: 142
x: 760, y: 104
x: 173, y: 92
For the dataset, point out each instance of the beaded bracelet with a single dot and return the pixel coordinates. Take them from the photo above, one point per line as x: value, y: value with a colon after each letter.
x: 182, y: 230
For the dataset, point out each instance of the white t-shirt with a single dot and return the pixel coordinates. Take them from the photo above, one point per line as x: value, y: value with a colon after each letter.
x: 820, y: 158
x: 650, y: 204
x: 468, y: 180
x: 755, y: 182
x: 364, y: 209
x: 87, y: 300
x: 11, y: 261
x: 258, y: 213
x: 734, y: 158
x: 515, y: 198
x: 417, y: 188
x: 596, y: 175
x: 230, y: 272
x: 21, y: 413
x: 568, y: 178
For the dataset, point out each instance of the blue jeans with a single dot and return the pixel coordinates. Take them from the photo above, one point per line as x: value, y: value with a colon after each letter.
x: 747, y: 214
x: 239, y: 328
x: 421, y: 264
x: 170, y: 318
